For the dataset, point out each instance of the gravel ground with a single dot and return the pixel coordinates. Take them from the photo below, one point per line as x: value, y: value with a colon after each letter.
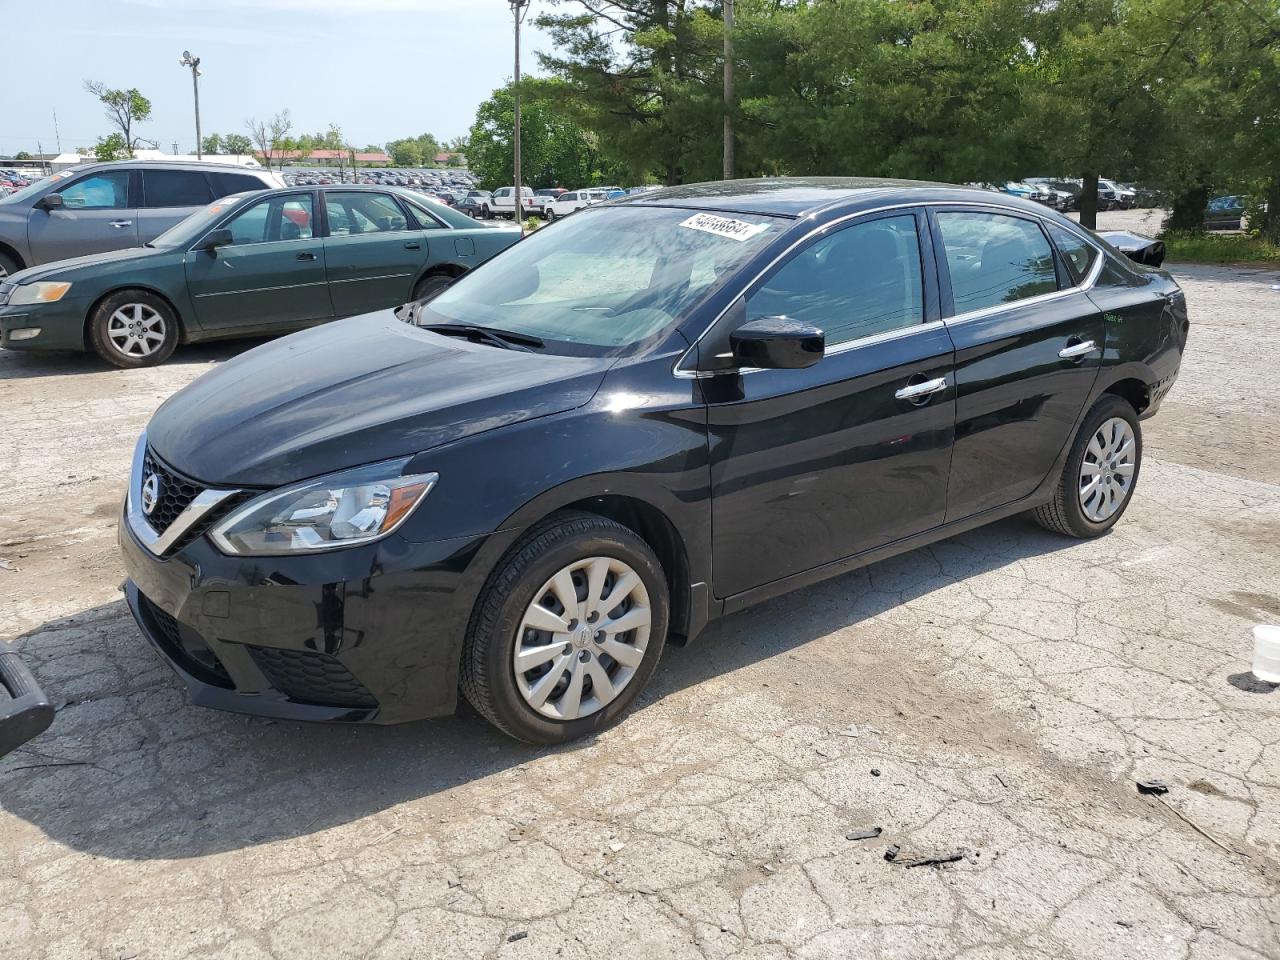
x: 996, y: 694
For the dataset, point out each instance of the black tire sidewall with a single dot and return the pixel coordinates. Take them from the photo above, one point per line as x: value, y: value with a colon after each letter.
x: 431, y: 285
x: 513, y: 714
x: 1106, y: 408
x: 102, y: 313
x: 9, y: 264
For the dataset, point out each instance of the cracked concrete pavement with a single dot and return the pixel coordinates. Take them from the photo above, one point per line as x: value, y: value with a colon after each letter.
x: 1008, y: 687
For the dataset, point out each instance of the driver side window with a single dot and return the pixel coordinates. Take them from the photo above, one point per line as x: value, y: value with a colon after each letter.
x: 275, y: 218
x: 860, y: 281
x: 99, y: 191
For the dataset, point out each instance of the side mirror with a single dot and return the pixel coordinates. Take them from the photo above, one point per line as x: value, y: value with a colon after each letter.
x: 50, y: 202
x: 216, y: 239
x: 777, y: 343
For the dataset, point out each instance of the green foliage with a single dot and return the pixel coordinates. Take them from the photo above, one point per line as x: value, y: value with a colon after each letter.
x: 1200, y: 247
x: 111, y: 147
x: 22, y: 155
x: 555, y: 151
x: 123, y: 108
x: 212, y: 144
x: 236, y: 143
x: 413, y: 151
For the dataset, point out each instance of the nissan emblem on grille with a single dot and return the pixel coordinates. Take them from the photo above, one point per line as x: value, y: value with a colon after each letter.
x: 150, y: 493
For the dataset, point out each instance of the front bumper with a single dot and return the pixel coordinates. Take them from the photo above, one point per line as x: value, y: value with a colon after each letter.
x: 61, y: 325
x: 362, y: 635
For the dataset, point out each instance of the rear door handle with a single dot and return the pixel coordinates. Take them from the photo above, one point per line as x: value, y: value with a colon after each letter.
x: 412, y: 245
x: 918, y: 391
x: 1074, y: 351
x: 121, y: 224
x: 306, y: 256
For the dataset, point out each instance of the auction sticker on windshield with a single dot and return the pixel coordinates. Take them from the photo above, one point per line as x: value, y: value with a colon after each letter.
x: 724, y: 226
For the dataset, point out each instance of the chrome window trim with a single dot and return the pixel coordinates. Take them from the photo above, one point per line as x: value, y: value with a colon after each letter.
x: 679, y: 371
x: 160, y: 543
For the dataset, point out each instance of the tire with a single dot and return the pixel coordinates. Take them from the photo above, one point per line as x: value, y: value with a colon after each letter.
x: 112, y: 320
x: 550, y: 215
x: 1067, y: 512
x: 486, y: 213
x: 8, y: 265
x: 430, y: 286
x: 523, y: 581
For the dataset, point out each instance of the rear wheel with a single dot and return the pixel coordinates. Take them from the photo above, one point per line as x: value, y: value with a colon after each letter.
x: 431, y: 286
x: 1100, y: 473
x: 133, y: 328
x: 567, y: 631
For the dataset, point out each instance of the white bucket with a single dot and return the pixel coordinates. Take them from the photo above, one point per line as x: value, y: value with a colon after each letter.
x: 1266, y: 653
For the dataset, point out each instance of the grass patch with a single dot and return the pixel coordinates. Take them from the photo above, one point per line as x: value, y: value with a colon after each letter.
x: 1221, y: 248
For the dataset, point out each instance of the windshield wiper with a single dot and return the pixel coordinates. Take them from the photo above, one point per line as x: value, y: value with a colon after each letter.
x: 490, y: 335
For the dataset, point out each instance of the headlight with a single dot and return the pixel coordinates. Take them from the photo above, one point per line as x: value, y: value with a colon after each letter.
x: 25, y: 293
x: 355, y: 506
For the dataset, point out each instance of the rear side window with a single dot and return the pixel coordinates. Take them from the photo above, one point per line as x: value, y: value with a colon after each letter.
x: 1079, y: 255
x: 860, y: 281
x: 356, y: 213
x: 98, y: 191
x: 225, y: 184
x: 272, y: 219
x: 175, y: 188
x: 995, y: 259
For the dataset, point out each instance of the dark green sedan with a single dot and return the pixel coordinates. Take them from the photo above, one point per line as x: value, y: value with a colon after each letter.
x: 270, y: 261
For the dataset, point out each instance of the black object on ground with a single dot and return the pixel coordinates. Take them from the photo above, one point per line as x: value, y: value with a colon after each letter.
x: 870, y: 833
x: 933, y: 860
x: 1153, y: 787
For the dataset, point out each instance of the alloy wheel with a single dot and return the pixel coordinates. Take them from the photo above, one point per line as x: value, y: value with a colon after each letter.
x: 582, y: 638
x: 136, y: 330
x: 1106, y: 472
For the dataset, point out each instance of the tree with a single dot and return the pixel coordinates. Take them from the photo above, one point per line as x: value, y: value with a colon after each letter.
x: 554, y: 149
x: 111, y: 147
x: 413, y: 151
x: 212, y: 144
x: 269, y: 136
x: 22, y: 155
x: 236, y: 143
x: 644, y: 76
x: 124, y: 108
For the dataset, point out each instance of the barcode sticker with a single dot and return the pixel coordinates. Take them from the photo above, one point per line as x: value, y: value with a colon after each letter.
x: 726, y: 227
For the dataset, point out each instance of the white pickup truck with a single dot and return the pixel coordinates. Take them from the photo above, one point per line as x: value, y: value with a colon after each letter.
x: 502, y: 203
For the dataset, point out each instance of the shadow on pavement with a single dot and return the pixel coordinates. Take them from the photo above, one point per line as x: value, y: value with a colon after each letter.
x: 130, y: 770
x: 22, y: 365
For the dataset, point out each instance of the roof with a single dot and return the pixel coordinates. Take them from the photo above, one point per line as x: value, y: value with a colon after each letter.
x: 799, y: 196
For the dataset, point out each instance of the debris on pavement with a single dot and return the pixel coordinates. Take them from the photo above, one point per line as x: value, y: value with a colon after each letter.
x: 869, y: 833
x: 518, y: 935
x: 1152, y: 788
x: 875, y: 771
x: 934, y: 860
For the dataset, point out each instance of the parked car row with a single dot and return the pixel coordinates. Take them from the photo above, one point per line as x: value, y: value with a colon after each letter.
x: 1063, y: 193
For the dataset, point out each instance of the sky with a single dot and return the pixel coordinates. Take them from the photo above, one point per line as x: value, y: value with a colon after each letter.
x: 380, y: 69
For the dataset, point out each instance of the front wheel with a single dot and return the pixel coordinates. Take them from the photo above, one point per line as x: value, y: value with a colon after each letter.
x: 567, y: 631
x: 1100, y: 474
x: 431, y: 286
x: 133, y: 328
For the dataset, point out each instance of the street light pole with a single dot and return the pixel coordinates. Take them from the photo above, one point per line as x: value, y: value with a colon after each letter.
x: 194, y: 63
x: 518, y: 10
x: 728, y: 89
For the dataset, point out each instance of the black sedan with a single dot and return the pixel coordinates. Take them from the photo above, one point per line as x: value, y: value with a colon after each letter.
x: 645, y: 417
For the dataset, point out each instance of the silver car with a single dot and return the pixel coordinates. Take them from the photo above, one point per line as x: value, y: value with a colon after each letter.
x: 111, y: 206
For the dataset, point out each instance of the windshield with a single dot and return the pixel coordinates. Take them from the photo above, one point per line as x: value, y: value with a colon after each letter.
x: 193, y: 227
x: 31, y: 189
x: 605, y: 279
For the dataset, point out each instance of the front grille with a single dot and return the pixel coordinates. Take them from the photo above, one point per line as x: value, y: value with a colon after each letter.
x: 315, y: 678
x: 176, y: 493
x: 184, y: 645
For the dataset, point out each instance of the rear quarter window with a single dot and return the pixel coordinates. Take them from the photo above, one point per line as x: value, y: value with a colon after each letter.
x: 995, y: 259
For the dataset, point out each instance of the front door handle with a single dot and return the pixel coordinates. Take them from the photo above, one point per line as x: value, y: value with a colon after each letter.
x: 306, y: 256
x: 121, y: 224
x: 918, y: 391
x: 1074, y: 351
x: 412, y: 245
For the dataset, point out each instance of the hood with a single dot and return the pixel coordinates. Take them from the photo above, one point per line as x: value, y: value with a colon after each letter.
x: 353, y: 392
x: 58, y: 269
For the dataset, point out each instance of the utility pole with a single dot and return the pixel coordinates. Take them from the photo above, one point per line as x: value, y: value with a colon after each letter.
x: 57, y: 136
x: 728, y: 89
x: 518, y: 9
x: 194, y: 63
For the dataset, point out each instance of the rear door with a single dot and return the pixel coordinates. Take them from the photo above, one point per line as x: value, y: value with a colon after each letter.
x: 169, y: 196
x: 270, y: 277
x: 1028, y: 346
x: 811, y: 466
x: 99, y: 213
x: 373, y: 251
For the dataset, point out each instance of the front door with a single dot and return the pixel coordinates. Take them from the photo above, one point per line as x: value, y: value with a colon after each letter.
x: 373, y: 252
x: 99, y: 213
x: 270, y: 277
x: 811, y: 466
x: 1028, y: 345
